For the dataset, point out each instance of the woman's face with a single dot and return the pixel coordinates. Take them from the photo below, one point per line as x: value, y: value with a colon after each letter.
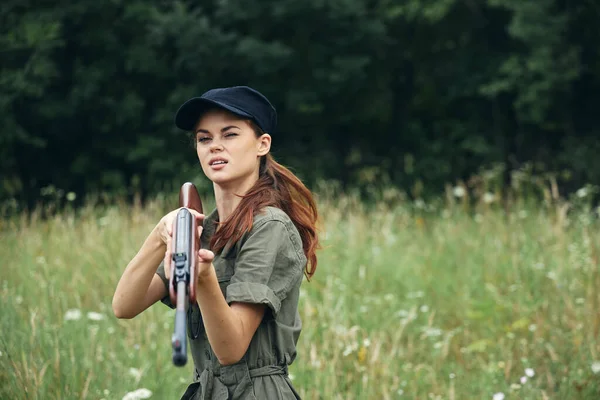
x: 228, y: 149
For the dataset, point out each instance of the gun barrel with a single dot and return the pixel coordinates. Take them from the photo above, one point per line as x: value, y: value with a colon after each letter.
x: 179, y: 340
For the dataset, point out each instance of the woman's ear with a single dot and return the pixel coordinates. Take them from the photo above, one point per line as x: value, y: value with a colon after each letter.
x: 264, y: 144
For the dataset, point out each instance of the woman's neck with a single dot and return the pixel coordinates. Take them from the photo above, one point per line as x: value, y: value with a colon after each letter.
x: 227, y: 197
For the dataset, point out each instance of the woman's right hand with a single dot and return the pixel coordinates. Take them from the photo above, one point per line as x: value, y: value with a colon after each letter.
x: 165, y: 226
x: 165, y: 232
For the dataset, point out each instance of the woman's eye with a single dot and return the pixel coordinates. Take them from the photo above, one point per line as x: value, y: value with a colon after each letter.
x: 231, y: 134
x: 203, y: 139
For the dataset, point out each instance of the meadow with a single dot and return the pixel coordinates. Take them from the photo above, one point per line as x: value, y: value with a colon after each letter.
x: 454, y: 299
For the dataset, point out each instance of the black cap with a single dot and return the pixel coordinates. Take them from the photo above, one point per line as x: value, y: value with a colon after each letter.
x: 240, y: 100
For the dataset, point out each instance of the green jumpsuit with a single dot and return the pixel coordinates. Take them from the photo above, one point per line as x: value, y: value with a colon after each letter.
x: 264, y: 267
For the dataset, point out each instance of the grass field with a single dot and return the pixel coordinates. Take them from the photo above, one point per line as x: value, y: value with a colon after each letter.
x: 409, y: 301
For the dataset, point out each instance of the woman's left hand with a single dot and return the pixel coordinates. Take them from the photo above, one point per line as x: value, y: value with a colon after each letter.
x: 204, y: 263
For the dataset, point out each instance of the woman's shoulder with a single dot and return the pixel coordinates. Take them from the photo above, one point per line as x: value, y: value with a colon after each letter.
x: 271, y: 213
x: 276, y: 224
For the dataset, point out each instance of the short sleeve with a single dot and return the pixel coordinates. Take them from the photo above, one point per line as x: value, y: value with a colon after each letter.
x: 267, y: 265
x: 161, y: 273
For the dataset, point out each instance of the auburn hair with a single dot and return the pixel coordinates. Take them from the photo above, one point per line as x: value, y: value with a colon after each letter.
x: 278, y: 187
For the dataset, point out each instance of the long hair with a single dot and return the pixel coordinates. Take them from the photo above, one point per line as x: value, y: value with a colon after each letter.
x: 278, y: 187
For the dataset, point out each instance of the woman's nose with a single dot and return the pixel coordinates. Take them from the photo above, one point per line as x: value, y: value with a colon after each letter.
x: 215, y: 147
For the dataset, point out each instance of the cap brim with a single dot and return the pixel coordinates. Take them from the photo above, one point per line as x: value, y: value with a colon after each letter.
x: 188, y: 114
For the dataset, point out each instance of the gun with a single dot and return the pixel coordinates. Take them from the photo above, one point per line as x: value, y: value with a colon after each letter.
x: 182, y: 281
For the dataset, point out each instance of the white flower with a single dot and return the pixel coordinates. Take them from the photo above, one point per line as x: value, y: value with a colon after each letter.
x: 596, y: 367
x: 452, y: 376
x: 432, y: 332
x: 458, y: 191
x: 94, y: 316
x: 19, y: 299
x: 498, y: 396
x: 581, y: 193
x: 488, y: 198
x: 400, y: 392
x: 424, y: 308
x: 136, y: 373
x: 366, y: 342
x: 523, y: 380
x: 138, y: 395
x: 529, y: 372
x: 71, y: 196
x: 73, y: 315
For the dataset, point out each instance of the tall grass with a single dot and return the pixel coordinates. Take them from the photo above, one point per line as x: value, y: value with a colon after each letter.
x: 410, y: 300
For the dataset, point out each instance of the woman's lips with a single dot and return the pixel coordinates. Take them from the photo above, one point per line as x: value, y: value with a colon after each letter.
x: 218, y: 166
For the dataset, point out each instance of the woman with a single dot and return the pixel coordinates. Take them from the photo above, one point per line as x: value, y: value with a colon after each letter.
x: 256, y: 246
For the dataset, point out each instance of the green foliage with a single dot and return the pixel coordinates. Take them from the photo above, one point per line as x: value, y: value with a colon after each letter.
x: 415, y: 93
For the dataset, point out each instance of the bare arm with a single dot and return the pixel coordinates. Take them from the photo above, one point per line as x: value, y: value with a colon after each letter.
x: 139, y: 286
x: 229, y: 328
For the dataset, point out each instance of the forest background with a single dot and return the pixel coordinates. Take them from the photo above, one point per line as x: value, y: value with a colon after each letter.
x: 413, y: 94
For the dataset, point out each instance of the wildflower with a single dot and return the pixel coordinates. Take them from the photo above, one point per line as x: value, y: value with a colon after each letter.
x: 432, y: 332
x: 388, y: 297
x: 581, y: 193
x: 529, y: 372
x: 415, y: 295
x: 452, y: 376
x: 523, y: 380
x: 19, y: 299
x: 596, y: 367
x: 424, y: 308
x: 515, y: 386
x: 400, y: 392
x: 532, y: 328
x: 498, y: 396
x: 291, y: 376
x: 366, y: 342
x: 459, y: 191
x: 488, y: 198
x: 94, y: 316
x: 362, y: 354
x: 71, y: 196
x: 138, y: 395
x: 73, y: 315
x: 136, y: 373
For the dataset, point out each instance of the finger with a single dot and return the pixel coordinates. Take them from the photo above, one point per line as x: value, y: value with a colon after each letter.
x: 200, y: 229
x: 205, y: 256
x: 199, y: 216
